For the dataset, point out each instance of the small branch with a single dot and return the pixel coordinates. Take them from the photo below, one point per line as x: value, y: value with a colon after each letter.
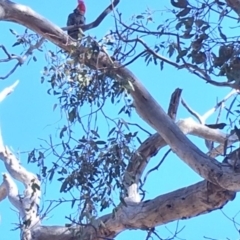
x: 234, y: 5
x: 219, y: 150
x: 156, y: 167
x: 202, y: 119
x: 219, y: 104
x: 9, y: 56
x: 20, y: 59
x: 37, y: 45
x: 223, y: 84
x: 11, y: 71
x: 191, y: 111
x: 194, y: 69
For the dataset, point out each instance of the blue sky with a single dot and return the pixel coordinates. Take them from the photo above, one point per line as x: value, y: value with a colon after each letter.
x: 27, y: 116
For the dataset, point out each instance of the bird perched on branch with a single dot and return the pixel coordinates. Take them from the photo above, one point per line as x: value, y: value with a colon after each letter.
x: 77, y: 17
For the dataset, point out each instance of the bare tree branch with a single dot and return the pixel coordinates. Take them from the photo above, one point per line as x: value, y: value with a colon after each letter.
x: 146, y: 106
x: 28, y: 204
x: 219, y: 104
x: 20, y: 59
x: 174, y: 103
x: 206, y: 195
x: 234, y: 4
x: 3, y: 191
x: 191, y: 111
x: 145, y: 215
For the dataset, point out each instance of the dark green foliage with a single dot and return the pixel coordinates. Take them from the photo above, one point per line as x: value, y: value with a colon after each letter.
x: 94, y: 145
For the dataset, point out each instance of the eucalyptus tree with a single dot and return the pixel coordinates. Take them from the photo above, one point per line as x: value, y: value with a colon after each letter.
x: 92, y: 74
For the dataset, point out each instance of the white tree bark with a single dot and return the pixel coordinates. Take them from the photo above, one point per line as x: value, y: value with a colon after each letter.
x: 220, y: 184
x: 7, y: 91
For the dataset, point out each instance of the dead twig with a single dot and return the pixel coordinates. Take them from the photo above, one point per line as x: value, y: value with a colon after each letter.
x: 174, y: 103
x: 20, y: 59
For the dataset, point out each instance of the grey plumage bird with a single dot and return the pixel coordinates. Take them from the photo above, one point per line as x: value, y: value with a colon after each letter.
x: 77, y: 17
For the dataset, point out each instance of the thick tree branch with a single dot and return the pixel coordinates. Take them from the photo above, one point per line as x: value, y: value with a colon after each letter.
x: 28, y: 204
x: 145, y: 152
x: 163, y: 209
x: 146, y: 106
x: 184, y: 203
x: 166, y: 208
x: 153, y: 144
x: 235, y: 5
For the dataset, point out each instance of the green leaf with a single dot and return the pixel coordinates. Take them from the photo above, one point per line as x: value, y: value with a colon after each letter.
x: 100, y: 142
x: 171, y: 50
x: 188, y: 22
x: 111, y: 131
x: 73, y: 202
x: 17, y: 43
x: 52, y: 172
x: 199, y: 23
x: 183, y: 53
x: 187, y: 35
x: 204, y: 28
x: 216, y: 125
x: 121, y: 110
x: 223, y: 36
x: 184, y: 12
x: 180, y: 3
x: 72, y: 115
x: 64, y: 186
x: 161, y: 65
x: 95, y: 133
x: 54, y: 106
x: 64, y: 129
x: 179, y: 25
x: 35, y: 187
x: 139, y: 17
x: 13, y: 32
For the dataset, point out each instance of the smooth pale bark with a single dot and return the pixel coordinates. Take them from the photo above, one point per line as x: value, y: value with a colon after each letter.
x: 197, y: 199
x: 184, y: 203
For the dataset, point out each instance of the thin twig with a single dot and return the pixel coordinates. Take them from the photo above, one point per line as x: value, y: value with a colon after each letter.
x: 156, y: 167
x: 194, y: 113
x: 20, y: 59
x: 219, y: 104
